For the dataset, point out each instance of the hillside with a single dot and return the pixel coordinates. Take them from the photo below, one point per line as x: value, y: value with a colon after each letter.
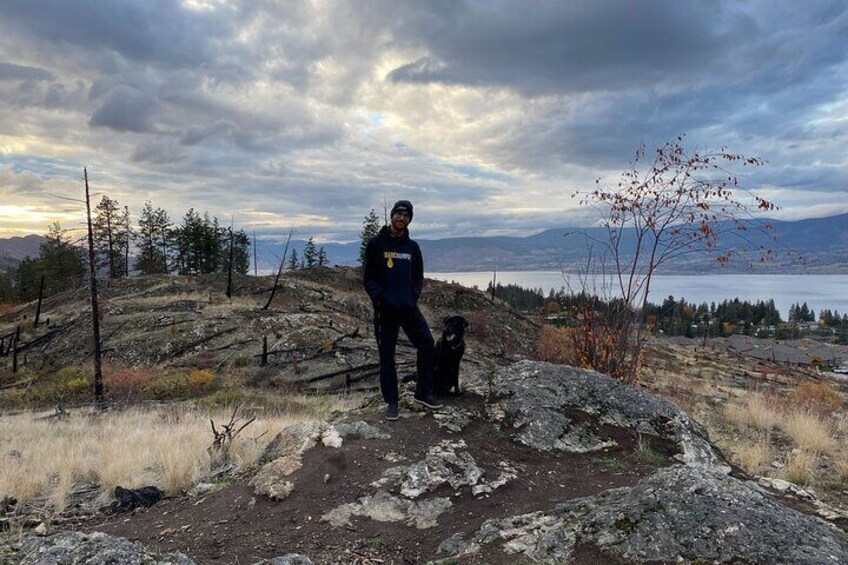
x: 534, y: 463
x: 823, y: 242
x: 318, y: 328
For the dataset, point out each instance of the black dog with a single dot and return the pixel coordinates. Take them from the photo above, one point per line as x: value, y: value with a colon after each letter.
x: 449, y: 351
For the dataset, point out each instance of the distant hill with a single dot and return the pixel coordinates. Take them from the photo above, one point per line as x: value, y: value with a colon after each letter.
x: 13, y: 249
x: 823, y: 243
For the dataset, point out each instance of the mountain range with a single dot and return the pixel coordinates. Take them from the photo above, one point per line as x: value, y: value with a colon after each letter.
x: 817, y: 245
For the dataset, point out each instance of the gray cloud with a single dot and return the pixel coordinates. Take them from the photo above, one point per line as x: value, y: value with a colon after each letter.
x: 8, y: 71
x: 125, y: 109
x: 484, y: 113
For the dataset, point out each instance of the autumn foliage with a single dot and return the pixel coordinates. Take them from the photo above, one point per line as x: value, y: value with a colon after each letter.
x: 666, y: 205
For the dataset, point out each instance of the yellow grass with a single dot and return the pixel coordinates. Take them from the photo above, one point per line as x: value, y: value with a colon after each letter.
x: 752, y: 456
x: 756, y: 411
x: 799, y: 468
x: 810, y: 431
x: 165, y: 447
x: 840, y: 466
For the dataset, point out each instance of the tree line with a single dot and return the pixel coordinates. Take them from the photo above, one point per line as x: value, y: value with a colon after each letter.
x: 196, y: 244
x: 678, y: 317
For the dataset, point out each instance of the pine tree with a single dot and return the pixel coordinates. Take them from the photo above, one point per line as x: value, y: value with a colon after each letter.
x: 60, y: 262
x: 370, y: 228
x: 310, y: 253
x: 108, y: 236
x: 293, y: 261
x: 322, y: 258
x: 151, y: 241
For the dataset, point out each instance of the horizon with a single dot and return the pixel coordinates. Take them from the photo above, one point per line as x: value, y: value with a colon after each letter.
x: 487, y: 116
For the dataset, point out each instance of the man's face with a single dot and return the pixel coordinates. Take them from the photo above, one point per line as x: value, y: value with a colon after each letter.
x: 400, y: 220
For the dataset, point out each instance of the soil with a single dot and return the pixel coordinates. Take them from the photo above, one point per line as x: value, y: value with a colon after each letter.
x: 235, y: 526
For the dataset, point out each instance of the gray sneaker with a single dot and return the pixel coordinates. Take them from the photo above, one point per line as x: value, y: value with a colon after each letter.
x: 392, y: 411
x: 429, y: 401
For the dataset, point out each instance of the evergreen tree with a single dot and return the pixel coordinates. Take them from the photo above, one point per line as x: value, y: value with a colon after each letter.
x: 322, y: 258
x: 151, y: 240
x: 310, y: 253
x: 293, y: 261
x: 241, y: 252
x: 109, y: 237
x: 370, y: 228
x: 59, y: 260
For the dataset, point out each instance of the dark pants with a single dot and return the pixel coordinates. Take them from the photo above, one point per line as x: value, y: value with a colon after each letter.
x: 387, y: 322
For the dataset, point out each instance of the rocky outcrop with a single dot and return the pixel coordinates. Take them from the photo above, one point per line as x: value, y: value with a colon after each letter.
x: 539, y: 400
x: 679, y: 514
x: 73, y: 548
x: 283, y: 456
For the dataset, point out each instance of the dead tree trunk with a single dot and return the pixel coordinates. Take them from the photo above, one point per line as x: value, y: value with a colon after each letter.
x: 279, y: 271
x: 264, y: 350
x: 95, y: 311
x: 230, y: 266
x: 15, y: 339
x: 255, y: 270
x: 40, y: 297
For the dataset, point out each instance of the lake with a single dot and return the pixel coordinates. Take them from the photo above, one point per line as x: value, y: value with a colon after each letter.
x: 818, y: 291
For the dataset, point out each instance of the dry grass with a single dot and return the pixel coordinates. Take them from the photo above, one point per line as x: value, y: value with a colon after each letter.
x: 753, y: 456
x: 810, y: 431
x: 799, y: 468
x: 756, y: 411
x: 840, y: 467
x: 165, y: 447
x: 816, y: 396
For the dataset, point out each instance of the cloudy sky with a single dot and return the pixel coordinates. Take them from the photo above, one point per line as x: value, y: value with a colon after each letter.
x: 487, y: 114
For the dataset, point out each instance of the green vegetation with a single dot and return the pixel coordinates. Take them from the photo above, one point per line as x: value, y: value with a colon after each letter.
x: 608, y: 464
x: 646, y: 454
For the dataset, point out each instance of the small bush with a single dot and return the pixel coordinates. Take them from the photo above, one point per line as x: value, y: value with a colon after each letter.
x: 817, y: 396
x: 555, y: 346
x: 179, y: 384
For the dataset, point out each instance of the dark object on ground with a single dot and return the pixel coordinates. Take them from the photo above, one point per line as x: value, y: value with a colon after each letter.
x: 392, y: 411
x: 449, y: 351
x: 127, y: 499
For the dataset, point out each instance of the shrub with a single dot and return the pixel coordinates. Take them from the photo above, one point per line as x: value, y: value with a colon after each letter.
x: 179, y: 384
x: 555, y: 346
x: 817, y: 396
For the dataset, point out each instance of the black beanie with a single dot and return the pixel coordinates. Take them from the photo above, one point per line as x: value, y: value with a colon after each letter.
x: 404, y: 205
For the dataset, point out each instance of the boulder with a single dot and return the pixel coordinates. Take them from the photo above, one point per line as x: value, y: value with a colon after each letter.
x: 539, y: 399
x: 678, y: 514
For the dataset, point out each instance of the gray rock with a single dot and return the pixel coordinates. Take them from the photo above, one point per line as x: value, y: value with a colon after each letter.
x: 97, y: 548
x: 284, y: 456
x: 678, y: 513
x: 534, y: 397
x: 443, y: 464
x: 453, y: 419
x: 384, y: 507
x: 360, y: 429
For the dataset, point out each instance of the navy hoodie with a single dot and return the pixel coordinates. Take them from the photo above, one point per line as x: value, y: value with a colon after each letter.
x: 394, y: 270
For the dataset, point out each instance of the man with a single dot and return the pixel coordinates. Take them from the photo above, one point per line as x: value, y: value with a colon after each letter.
x: 394, y: 276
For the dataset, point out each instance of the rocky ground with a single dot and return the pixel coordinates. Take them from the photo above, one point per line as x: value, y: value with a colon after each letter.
x: 534, y: 463
x: 318, y: 329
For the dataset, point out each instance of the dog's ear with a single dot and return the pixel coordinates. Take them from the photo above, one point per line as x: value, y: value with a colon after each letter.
x: 446, y: 321
x: 465, y: 323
